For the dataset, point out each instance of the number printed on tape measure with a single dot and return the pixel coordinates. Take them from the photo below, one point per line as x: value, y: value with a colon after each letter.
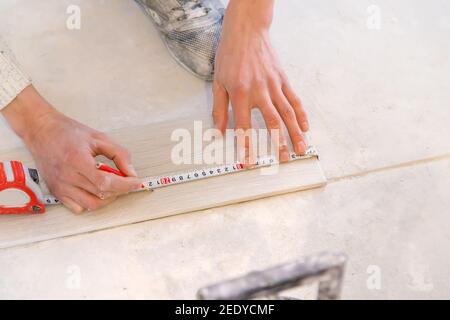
x: 164, y: 181
x: 193, y: 175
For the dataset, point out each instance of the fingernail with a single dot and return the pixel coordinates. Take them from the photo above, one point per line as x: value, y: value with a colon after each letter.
x: 219, y: 128
x: 143, y: 187
x: 249, y: 161
x: 72, y: 206
x: 302, y: 147
x: 138, y: 186
x: 284, y: 156
x: 241, y: 156
x: 132, y: 170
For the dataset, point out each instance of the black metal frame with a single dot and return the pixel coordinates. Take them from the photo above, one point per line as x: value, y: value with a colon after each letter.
x: 325, y: 268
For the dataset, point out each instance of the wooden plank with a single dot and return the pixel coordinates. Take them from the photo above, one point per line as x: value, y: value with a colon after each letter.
x: 151, y: 148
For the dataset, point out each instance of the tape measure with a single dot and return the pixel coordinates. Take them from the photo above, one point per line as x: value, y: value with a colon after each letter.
x: 19, y: 182
x: 19, y: 189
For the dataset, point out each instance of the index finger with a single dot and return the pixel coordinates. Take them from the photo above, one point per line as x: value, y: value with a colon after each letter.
x: 116, y: 153
x: 242, y: 126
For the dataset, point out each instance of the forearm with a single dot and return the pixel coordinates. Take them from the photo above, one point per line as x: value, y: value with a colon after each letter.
x: 250, y: 13
x: 26, y: 111
x: 20, y: 103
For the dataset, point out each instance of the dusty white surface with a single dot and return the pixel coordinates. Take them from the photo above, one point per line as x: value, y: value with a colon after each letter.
x: 376, y: 98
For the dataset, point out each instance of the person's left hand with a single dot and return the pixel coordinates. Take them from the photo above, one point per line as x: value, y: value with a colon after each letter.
x: 249, y: 75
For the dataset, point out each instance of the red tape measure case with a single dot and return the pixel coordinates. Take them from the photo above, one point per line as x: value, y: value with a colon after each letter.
x: 16, y: 190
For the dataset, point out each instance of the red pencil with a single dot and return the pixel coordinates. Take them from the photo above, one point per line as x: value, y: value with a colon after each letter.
x: 106, y: 168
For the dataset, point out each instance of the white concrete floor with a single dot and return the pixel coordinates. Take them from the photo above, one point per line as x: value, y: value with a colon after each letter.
x: 379, y: 104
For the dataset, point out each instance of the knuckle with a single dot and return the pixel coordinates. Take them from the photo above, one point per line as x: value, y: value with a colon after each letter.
x: 94, y: 204
x: 123, y: 152
x: 99, y: 181
x: 286, y: 113
x: 274, y: 82
x: 273, y: 123
x: 302, y: 113
x: 296, y: 137
x: 297, y: 104
x: 217, y: 113
x: 259, y: 84
x: 101, y: 136
x: 102, y: 182
x: 240, y: 89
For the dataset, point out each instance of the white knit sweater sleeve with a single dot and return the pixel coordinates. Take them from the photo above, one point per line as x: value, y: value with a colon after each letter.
x: 12, y: 79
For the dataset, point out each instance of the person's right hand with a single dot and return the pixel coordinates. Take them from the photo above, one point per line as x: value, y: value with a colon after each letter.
x: 65, y: 150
